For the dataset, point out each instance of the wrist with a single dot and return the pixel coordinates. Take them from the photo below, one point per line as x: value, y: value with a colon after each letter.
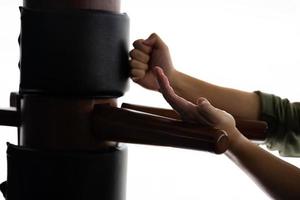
x: 174, y: 79
x: 236, y: 140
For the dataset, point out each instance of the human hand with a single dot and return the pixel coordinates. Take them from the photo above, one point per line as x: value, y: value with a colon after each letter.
x: 145, y: 56
x: 202, y: 112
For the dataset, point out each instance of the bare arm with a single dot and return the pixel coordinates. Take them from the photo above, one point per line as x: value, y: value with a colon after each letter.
x: 238, y: 103
x: 154, y: 52
x: 278, y: 178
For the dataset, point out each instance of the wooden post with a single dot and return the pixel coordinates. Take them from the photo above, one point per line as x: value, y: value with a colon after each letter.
x: 58, y: 156
x: 60, y: 122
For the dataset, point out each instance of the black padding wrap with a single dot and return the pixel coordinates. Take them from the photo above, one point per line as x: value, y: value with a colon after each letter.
x: 43, y: 175
x: 74, y: 52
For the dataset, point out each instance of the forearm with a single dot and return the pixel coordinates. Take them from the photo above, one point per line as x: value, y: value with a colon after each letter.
x: 277, y: 177
x: 238, y: 103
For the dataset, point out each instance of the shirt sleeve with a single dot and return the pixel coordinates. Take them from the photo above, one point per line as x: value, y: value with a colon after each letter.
x: 283, y: 120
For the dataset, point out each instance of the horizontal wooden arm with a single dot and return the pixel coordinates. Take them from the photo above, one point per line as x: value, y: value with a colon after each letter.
x: 252, y: 129
x: 117, y: 124
x: 9, y: 117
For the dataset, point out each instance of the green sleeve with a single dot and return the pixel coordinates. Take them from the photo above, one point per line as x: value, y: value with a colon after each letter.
x: 283, y: 120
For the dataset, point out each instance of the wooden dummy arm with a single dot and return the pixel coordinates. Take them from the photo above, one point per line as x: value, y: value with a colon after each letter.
x: 121, y: 125
x: 252, y: 129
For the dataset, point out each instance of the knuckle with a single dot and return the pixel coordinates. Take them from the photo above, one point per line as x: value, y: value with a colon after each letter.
x: 133, y: 72
x: 165, y: 47
x: 136, y: 42
x: 131, y: 53
x: 137, y: 73
x: 135, y: 53
x: 139, y: 55
x: 133, y: 63
x: 153, y: 34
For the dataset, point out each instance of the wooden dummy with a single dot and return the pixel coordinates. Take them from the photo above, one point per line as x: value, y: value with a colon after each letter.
x: 76, y: 124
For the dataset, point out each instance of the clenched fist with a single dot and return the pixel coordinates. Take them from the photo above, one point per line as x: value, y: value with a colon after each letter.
x: 146, y: 55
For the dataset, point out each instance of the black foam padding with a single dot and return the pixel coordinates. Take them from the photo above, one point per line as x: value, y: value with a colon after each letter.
x: 50, y: 175
x: 74, y: 52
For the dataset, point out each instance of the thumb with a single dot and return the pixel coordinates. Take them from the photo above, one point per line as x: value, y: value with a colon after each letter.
x: 205, y: 108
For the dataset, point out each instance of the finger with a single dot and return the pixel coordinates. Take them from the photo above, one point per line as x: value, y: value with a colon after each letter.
x: 200, y: 118
x: 139, y: 55
x: 182, y: 106
x: 154, y: 41
x: 137, y: 74
x: 139, y: 44
x: 194, y: 116
x: 135, y: 64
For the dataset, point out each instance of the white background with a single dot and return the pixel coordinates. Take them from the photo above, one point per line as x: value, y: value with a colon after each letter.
x: 248, y: 45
